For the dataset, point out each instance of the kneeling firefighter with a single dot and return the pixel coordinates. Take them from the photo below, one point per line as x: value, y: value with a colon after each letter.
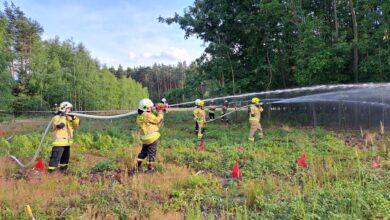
x: 63, y: 125
x: 200, y: 118
x: 148, y: 124
x: 254, y: 119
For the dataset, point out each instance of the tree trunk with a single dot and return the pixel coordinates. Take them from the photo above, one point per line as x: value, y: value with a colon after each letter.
x: 355, y: 42
x: 269, y: 70
x: 336, y: 20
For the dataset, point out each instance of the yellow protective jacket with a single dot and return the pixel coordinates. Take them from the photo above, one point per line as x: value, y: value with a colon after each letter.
x: 64, y: 136
x: 148, y: 124
x: 200, y: 117
x: 255, y: 114
x: 195, y: 112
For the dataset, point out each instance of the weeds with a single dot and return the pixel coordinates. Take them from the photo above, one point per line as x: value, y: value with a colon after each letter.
x: 338, y: 183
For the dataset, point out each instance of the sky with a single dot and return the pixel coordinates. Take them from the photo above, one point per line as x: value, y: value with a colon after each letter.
x: 115, y: 32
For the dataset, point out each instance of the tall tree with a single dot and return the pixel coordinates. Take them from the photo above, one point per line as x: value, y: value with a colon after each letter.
x: 261, y: 45
x: 24, y: 33
x: 5, y: 77
x: 355, y: 42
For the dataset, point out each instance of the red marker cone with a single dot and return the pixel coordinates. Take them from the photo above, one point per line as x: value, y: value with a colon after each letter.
x: 302, y: 160
x: 40, y: 166
x: 375, y: 163
x: 236, y: 171
x: 201, y: 146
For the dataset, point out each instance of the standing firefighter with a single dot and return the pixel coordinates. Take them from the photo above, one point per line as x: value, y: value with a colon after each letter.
x: 200, y: 118
x: 225, y: 110
x: 212, y: 109
x: 63, y: 125
x: 165, y: 104
x: 254, y: 119
x: 195, y: 112
x: 148, y: 124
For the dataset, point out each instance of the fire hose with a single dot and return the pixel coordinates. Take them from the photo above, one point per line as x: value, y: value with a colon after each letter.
x: 92, y: 117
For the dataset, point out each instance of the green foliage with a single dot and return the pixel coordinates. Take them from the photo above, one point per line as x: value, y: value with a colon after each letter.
x: 159, y: 78
x: 49, y: 72
x: 262, y: 45
x: 25, y: 145
x: 62, y: 70
x: 338, y: 183
x: 104, y: 165
x: 5, y: 147
x: 5, y: 76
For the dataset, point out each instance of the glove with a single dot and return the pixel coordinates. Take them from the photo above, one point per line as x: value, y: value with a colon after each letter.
x: 60, y: 125
x: 161, y: 106
x: 70, y: 117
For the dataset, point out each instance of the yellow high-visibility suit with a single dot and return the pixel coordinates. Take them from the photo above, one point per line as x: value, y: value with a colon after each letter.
x: 254, y: 121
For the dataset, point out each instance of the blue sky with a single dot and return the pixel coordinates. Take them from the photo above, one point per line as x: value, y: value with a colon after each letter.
x: 119, y: 31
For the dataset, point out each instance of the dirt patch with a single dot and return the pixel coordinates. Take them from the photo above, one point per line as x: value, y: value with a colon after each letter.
x: 353, y: 141
x: 364, y: 142
x: 93, y: 159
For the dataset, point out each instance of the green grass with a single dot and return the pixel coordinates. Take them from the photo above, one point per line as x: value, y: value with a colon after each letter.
x: 339, y: 182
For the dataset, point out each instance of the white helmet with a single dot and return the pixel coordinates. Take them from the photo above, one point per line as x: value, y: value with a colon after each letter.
x: 196, y: 101
x: 65, y: 105
x: 164, y: 100
x: 145, y: 104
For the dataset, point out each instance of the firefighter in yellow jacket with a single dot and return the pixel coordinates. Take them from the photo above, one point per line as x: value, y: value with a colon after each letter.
x: 254, y: 119
x: 195, y: 112
x: 63, y: 125
x: 148, y: 124
x: 200, y: 118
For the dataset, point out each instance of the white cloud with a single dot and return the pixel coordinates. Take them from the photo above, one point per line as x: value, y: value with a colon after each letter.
x: 169, y: 54
x: 173, y: 53
x: 132, y: 55
x: 125, y: 33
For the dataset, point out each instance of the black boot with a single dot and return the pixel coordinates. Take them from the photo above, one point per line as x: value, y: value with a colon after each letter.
x: 136, y: 169
x: 64, y: 168
x: 139, y: 167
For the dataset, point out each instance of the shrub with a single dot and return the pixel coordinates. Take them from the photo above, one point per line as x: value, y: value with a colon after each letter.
x: 103, y: 166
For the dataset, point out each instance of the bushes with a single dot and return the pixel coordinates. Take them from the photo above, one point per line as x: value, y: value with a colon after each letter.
x: 24, y: 146
x: 104, y: 165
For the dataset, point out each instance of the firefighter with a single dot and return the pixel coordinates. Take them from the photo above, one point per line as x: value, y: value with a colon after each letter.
x: 225, y: 110
x: 195, y: 112
x: 254, y: 119
x: 200, y: 117
x: 148, y: 124
x: 164, y: 102
x: 63, y: 126
x: 212, y: 109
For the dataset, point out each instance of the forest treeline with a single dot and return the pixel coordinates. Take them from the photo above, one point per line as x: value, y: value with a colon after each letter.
x: 249, y: 46
x: 35, y: 74
x: 272, y: 44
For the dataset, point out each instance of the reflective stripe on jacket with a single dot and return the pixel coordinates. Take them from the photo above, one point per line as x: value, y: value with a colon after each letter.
x: 64, y: 136
x: 255, y: 113
x: 148, y: 124
x: 200, y: 117
x: 195, y: 112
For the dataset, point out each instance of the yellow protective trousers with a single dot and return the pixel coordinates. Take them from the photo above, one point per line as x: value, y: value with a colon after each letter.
x: 255, y: 127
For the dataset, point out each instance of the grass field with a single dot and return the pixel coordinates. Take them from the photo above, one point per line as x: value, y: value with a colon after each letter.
x: 339, y: 182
